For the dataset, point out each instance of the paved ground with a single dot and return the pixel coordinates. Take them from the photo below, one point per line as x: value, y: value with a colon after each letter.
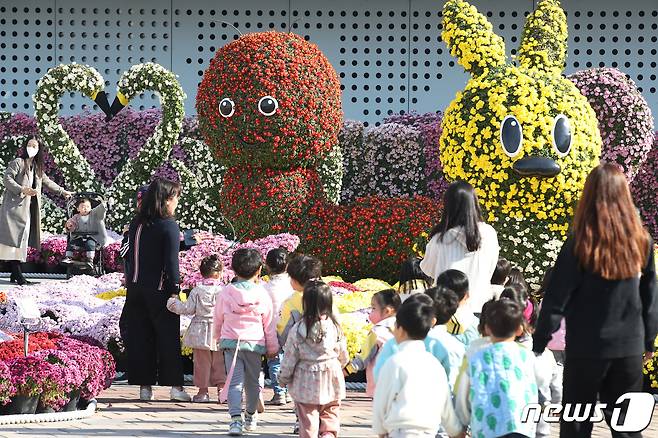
x: 121, y: 415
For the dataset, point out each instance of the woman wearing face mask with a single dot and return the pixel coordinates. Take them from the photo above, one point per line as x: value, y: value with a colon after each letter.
x: 20, y: 218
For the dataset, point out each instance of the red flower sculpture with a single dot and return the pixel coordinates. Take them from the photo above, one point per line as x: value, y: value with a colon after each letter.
x: 263, y: 202
x: 269, y: 105
x: 269, y: 100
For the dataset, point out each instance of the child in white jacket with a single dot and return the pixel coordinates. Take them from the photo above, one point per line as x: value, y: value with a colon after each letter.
x: 208, y: 360
x: 412, y: 396
x: 280, y: 290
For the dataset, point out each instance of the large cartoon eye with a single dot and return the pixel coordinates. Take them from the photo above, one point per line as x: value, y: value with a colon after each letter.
x: 226, y: 107
x: 267, y: 105
x: 561, y: 135
x: 511, y: 135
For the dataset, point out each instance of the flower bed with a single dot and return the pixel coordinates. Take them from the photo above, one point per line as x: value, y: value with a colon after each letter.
x: 89, y: 308
x: 57, y: 370
x: 70, y: 307
x: 53, y: 249
x: 429, y: 126
x: 397, y: 158
x: 369, y: 238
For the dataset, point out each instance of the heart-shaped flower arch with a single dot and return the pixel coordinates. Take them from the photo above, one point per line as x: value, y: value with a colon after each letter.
x: 77, y: 172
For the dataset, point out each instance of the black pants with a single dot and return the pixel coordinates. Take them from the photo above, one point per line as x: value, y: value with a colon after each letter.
x: 153, y: 342
x: 83, y: 243
x: 586, y: 380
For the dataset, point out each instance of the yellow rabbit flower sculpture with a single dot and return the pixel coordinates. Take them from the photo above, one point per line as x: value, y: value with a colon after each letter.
x: 522, y: 135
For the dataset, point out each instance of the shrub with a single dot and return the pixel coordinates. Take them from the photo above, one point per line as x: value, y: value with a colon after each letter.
x: 429, y: 126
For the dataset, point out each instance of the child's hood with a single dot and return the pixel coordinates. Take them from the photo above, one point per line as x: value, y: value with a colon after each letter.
x: 244, y: 297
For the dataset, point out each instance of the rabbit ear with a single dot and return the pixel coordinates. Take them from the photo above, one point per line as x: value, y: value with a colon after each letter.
x: 544, y: 41
x: 470, y: 38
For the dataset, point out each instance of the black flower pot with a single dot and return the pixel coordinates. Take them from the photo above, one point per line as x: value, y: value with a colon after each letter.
x: 82, y: 404
x: 56, y: 269
x: 21, y: 404
x: 31, y: 267
x: 72, y: 404
x: 44, y: 409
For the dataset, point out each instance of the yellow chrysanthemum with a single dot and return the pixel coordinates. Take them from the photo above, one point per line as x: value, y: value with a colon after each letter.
x: 121, y: 292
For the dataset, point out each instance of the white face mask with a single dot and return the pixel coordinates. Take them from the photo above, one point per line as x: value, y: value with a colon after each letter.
x: 32, y: 152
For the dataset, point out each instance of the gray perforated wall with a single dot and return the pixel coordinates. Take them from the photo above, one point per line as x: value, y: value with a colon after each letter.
x: 388, y: 53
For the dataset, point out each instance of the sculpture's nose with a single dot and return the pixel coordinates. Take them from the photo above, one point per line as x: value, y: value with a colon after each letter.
x: 542, y: 167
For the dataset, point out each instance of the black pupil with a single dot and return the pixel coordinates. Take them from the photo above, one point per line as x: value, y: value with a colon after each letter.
x: 267, y: 106
x: 225, y: 107
x: 511, y: 135
x: 562, y: 135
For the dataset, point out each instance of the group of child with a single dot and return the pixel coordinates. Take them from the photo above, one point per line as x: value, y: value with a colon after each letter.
x: 432, y: 366
x: 487, y: 374
x: 235, y: 325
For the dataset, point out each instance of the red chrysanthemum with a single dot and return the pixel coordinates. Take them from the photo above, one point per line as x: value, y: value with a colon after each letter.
x: 369, y: 238
x: 260, y: 202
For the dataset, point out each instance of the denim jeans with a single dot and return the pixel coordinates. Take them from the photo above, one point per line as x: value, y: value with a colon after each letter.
x: 245, y: 377
x: 274, y: 365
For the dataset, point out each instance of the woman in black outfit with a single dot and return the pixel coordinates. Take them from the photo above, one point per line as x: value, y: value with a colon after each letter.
x: 604, y: 284
x: 152, y: 276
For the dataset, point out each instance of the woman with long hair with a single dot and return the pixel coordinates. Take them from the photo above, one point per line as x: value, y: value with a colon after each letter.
x: 152, y: 276
x: 463, y: 241
x: 604, y: 284
x: 20, y: 211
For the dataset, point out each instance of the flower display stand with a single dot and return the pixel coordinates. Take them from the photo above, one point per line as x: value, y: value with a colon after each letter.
x: 49, y: 417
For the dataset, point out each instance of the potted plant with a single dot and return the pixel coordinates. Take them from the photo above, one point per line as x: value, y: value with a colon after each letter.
x: 7, y: 390
x: 95, y: 363
x: 62, y: 388
x: 28, y: 376
x: 53, y: 249
x: 33, y: 261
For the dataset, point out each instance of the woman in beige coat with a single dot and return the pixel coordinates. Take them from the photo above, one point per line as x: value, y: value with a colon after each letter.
x: 20, y: 217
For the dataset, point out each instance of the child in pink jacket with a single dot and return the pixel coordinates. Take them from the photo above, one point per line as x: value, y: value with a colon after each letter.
x: 243, y: 325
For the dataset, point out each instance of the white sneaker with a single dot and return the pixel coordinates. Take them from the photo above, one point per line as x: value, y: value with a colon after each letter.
x: 250, y: 422
x: 235, y: 429
x: 145, y: 393
x: 179, y: 395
